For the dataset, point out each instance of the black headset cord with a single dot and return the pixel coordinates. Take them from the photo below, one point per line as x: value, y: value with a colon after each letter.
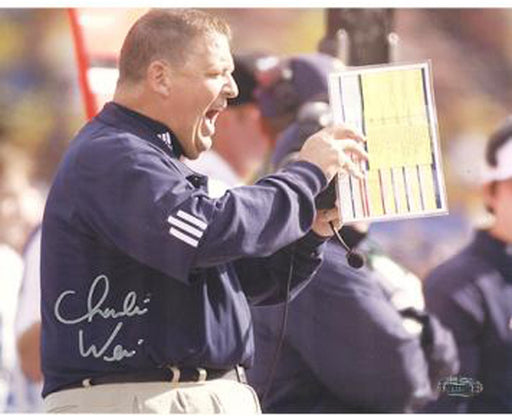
x: 282, y: 330
x: 354, y: 258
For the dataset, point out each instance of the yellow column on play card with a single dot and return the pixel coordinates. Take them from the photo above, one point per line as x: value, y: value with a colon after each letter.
x: 374, y: 192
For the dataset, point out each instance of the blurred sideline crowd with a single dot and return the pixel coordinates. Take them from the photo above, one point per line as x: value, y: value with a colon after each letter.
x: 373, y: 339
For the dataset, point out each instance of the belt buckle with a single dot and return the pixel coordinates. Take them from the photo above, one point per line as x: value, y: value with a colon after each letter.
x: 202, y: 374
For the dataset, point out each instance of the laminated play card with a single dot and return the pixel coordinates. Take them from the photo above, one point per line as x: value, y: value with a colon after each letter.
x: 393, y: 106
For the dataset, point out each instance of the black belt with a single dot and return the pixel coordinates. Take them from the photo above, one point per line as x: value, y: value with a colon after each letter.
x: 170, y: 374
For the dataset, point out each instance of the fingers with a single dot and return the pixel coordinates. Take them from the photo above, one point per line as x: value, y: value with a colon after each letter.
x: 347, y: 148
x: 353, y: 147
x: 354, y: 169
x: 341, y: 132
x: 335, y: 148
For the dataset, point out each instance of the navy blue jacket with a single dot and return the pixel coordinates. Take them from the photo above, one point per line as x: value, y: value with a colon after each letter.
x: 346, y: 348
x: 141, y: 269
x: 472, y: 295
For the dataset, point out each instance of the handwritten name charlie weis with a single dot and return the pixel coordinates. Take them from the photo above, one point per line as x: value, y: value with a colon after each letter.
x: 130, y: 309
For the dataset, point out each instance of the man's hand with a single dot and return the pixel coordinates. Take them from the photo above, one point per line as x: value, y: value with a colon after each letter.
x: 331, y: 149
x: 321, y: 225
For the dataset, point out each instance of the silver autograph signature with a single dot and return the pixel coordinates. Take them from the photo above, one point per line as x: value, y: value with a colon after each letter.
x: 97, y: 309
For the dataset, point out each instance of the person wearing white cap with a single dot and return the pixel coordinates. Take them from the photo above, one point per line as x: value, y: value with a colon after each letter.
x: 472, y: 293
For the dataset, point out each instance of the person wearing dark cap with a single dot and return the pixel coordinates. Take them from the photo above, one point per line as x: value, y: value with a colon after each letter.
x: 356, y: 340
x: 289, y: 83
x: 240, y: 144
x: 472, y: 293
x: 284, y: 84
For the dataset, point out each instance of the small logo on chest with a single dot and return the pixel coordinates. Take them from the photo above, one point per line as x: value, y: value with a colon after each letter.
x: 166, y: 138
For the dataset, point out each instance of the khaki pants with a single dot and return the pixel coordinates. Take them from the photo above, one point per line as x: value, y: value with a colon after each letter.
x: 216, y: 396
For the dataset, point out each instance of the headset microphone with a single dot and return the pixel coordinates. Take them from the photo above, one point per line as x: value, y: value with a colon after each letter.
x: 354, y: 259
x: 327, y: 200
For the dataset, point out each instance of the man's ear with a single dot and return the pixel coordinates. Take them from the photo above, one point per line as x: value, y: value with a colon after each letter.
x: 158, y: 76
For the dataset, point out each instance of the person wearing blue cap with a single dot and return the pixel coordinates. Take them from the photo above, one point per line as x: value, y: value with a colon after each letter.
x: 356, y: 340
x: 285, y: 84
x: 472, y: 293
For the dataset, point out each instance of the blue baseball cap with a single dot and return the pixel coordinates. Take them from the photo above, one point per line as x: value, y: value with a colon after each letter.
x: 294, y: 81
x: 246, y: 67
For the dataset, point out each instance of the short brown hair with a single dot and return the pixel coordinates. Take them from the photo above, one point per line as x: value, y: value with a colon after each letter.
x: 164, y: 34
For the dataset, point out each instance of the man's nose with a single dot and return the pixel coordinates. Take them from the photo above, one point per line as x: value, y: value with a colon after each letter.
x: 231, y: 88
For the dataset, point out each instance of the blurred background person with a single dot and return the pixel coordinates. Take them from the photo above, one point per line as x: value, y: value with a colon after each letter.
x: 10, y: 277
x: 11, y: 266
x: 284, y: 85
x: 19, y: 203
x: 289, y: 82
x: 347, y: 346
x: 26, y: 382
x: 38, y: 110
x: 472, y: 292
x: 356, y: 340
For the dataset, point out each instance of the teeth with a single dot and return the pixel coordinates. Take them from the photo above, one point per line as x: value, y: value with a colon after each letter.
x: 210, y: 125
x: 209, y: 121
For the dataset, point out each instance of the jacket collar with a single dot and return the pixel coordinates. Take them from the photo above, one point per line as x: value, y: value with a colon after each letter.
x: 142, y: 126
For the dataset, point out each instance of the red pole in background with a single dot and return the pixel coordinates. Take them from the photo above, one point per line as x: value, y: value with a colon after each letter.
x: 83, y: 64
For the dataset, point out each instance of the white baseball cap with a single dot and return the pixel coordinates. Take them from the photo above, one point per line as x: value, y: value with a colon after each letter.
x: 503, y: 168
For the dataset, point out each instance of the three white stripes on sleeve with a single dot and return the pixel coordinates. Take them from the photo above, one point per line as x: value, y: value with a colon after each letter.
x: 186, y: 227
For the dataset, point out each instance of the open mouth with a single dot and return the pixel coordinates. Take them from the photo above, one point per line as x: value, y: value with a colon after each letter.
x: 211, y: 115
x: 210, y: 118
